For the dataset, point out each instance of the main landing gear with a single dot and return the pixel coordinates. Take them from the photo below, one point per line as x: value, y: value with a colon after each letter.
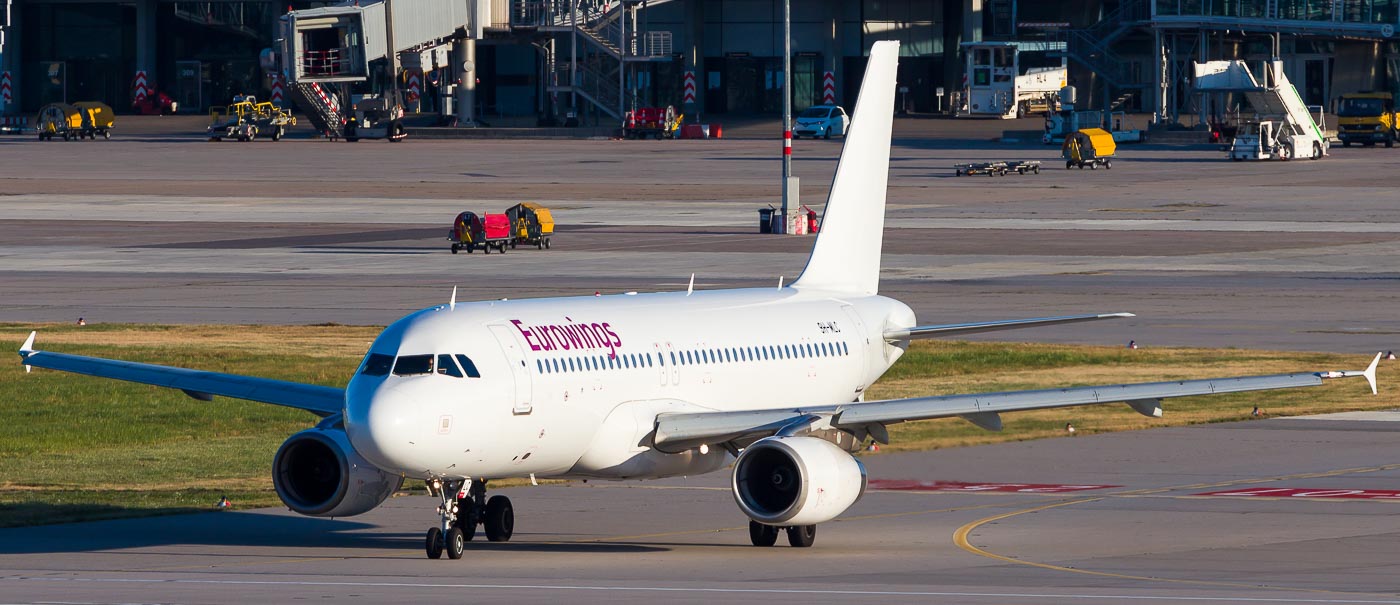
x: 462, y: 509
x: 800, y: 536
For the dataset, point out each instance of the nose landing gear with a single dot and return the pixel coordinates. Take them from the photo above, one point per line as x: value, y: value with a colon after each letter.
x: 464, y: 506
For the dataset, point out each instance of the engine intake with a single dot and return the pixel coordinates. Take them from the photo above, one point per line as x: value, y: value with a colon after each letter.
x: 796, y: 481
x: 317, y: 473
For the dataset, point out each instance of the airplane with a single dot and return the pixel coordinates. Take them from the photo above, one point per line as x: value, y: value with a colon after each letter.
x: 645, y: 386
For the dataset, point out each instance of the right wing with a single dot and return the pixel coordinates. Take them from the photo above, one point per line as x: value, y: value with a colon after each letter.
x: 936, y: 331
x: 319, y: 400
x: 679, y: 432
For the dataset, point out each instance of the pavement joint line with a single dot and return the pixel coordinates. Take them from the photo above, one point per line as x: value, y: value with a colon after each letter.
x: 703, y: 590
x: 960, y: 536
x: 745, y: 527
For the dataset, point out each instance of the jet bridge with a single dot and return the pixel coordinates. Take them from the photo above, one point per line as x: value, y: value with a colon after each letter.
x: 322, y: 51
x: 338, y: 43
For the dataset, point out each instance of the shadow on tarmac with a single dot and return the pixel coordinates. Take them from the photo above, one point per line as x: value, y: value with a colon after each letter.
x: 250, y: 528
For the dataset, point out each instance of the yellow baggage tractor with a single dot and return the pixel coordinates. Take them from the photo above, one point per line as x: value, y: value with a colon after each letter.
x: 530, y: 224
x: 1092, y: 147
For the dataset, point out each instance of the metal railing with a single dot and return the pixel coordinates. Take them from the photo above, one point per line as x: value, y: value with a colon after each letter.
x: 325, y: 63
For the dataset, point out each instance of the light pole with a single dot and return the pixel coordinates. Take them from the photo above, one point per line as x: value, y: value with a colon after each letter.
x: 789, y: 181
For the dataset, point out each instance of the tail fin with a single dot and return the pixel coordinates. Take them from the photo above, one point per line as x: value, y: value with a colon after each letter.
x: 846, y: 257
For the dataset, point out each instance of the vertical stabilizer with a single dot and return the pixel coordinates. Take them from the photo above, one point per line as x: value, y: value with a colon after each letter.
x: 846, y: 257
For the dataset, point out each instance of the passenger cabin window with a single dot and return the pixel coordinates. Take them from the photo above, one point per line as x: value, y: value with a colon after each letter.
x: 378, y: 365
x: 447, y: 367
x: 413, y: 365
x: 468, y: 366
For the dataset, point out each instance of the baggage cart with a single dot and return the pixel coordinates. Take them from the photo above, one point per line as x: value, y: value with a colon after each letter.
x: 987, y: 168
x: 1092, y: 147
x: 471, y: 231
x: 76, y: 121
x: 659, y: 122
x: 531, y: 225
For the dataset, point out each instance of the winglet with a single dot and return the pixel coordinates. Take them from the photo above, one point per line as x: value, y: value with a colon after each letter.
x: 26, y: 349
x: 1370, y: 373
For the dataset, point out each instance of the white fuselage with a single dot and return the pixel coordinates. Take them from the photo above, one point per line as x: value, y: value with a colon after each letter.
x: 571, y: 387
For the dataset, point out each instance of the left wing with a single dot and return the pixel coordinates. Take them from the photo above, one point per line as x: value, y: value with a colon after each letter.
x: 319, y: 400
x: 679, y: 432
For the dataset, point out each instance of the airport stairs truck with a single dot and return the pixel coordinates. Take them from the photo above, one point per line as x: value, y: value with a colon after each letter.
x: 341, y: 62
x: 1284, y: 127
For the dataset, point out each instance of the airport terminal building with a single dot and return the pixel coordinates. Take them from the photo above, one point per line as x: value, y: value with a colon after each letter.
x: 597, y: 58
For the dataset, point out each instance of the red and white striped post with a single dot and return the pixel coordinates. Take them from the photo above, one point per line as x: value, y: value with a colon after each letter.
x: 278, y: 96
x: 140, y: 87
x: 7, y: 91
x: 828, y: 88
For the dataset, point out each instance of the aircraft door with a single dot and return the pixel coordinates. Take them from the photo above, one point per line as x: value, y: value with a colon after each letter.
x: 671, y: 358
x: 515, y: 357
x: 661, y: 361
x: 859, y: 340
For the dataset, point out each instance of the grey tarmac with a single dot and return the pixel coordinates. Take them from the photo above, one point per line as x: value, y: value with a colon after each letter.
x: 163, y: 227
x: 1151, y: 538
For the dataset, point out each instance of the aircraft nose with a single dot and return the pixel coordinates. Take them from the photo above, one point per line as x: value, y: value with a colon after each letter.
x: 386, y: 425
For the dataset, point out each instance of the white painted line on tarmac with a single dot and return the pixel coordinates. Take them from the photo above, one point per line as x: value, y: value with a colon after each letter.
x: 675, y: 590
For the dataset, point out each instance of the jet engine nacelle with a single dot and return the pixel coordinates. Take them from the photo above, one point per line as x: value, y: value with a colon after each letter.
x: 796, y: 481
x: 317, y: 473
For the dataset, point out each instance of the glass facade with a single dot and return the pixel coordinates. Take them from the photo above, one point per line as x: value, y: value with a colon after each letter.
x: 1336, y: 11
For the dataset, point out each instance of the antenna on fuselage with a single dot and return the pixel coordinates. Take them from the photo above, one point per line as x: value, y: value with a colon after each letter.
x: 690, y: 288
x: 780, y: 282
x: 452, y: 304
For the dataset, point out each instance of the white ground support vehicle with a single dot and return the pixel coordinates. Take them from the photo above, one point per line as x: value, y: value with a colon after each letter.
x: 998, y: 88
x: 1273, y: 140
x: 1286, y: 128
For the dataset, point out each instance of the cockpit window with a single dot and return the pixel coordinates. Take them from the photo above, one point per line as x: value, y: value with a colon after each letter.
x: 413, y: 365
x: 446, y: 366
x: 468, y: 366
x: 378, y: 365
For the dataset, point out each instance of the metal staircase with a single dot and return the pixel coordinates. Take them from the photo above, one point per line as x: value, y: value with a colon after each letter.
x: 606, y: 46
x: 321, y: 107
x: 1090, y: 46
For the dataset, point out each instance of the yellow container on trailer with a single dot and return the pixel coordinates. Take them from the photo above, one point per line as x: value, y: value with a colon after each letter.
x: 1088, y: 144
x: 57, y: 117
x: 546, y: 219
x: 96, y: 113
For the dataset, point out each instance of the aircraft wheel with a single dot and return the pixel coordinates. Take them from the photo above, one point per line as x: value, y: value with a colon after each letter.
x: 434, y: 543
x: 499, y: 519
x: 762, y: 535
x: 456, y: 543
x: 802, y: 536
